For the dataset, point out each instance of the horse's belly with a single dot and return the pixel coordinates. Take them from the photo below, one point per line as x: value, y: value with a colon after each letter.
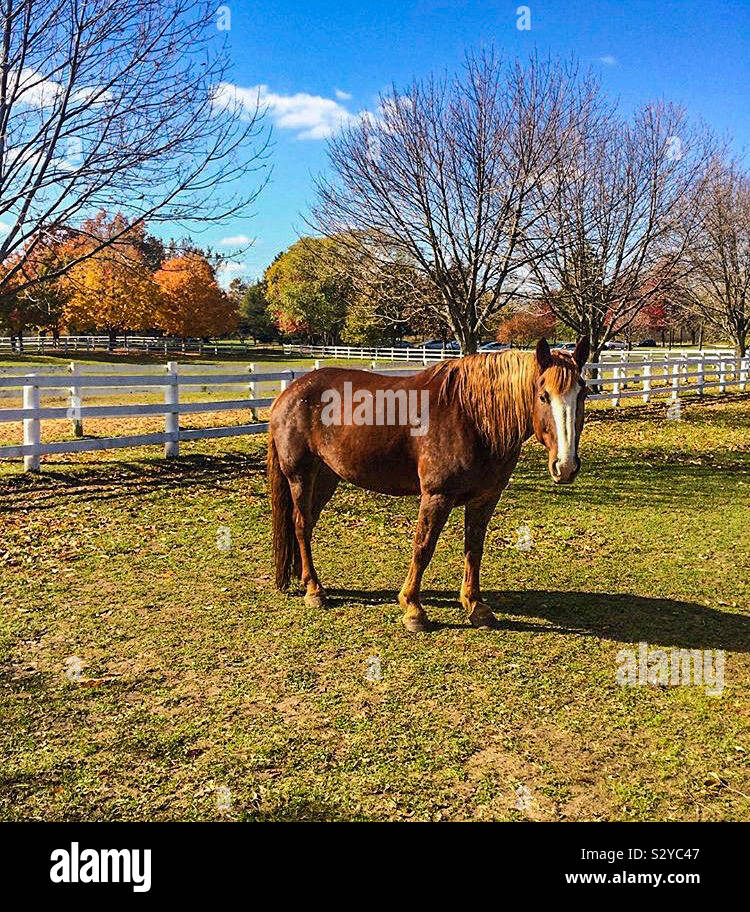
x: 383, y: 483
x: 386, y: 467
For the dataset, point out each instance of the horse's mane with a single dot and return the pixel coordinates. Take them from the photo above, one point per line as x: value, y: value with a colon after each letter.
x: 495, y: 391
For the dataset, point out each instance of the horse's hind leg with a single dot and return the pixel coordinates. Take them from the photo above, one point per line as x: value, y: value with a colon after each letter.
x: 302, y: 486
x: 433, y: 512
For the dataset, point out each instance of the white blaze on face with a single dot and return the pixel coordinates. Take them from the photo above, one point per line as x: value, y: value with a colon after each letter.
x: 564, y: 413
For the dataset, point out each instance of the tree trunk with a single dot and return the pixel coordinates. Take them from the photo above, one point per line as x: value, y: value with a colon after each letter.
x: 466, y: 339
x: 595, y: 354
x: 112, y: 337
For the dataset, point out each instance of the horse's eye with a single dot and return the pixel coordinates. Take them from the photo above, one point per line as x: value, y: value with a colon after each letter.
x: 544, y: 397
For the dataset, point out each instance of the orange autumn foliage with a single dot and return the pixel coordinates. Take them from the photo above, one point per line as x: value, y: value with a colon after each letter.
x: 524, y: 328
x: 191, y: 303
x: 113, y: 288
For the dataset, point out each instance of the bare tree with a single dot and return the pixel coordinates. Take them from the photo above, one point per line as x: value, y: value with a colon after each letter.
x: 441, y: 179
x: 120, y: 105
x: 719, y: 284
x: 611, y: 215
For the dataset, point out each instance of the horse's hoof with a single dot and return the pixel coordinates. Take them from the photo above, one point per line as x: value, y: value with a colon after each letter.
x: 315, y: 600
x: 417, y: 623
x: 482, y: 616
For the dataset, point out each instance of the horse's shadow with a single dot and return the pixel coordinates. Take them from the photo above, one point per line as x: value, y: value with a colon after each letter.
x: 618, y: 617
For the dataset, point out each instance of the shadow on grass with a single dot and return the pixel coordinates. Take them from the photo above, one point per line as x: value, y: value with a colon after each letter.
x: 112, y: 480
x: 636, y: 479
x: 618, y: 617
x: 657, y: 409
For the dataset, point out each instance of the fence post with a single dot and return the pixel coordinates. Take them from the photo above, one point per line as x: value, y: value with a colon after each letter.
x: 701, y: 373
x: 646, y: 379
x: 374, y: 366
x: 317, y: 364
x: 722, y: 375
x: 616, y: 386
x: 252, y: 389
x: 32, y: 427
x: 74, y: 412
x: 172, y: 417
x: 744, y: 365
x: 285, y: 380
x: 675, y: 381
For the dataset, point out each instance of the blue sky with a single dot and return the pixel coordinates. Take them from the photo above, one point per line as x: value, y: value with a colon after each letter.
x: 320, y: 60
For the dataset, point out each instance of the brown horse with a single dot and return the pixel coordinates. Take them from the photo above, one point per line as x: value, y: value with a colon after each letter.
x: 451, y: 433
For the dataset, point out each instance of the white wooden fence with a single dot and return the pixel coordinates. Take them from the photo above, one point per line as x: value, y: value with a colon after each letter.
x: 421, y: 355
x: 75, y: 385
x: 672, y: 377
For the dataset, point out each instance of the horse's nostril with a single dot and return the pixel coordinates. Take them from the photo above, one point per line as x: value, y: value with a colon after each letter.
x: 556, y: 468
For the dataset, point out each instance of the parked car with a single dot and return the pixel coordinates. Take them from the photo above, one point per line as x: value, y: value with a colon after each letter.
x: 566, y: 346
x: 614, y: 346
x: 493, y: 347
x: 648, y: 343
x: 437, y: 344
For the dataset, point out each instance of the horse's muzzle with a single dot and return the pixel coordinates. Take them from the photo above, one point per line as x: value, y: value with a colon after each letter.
x: 564, y: 473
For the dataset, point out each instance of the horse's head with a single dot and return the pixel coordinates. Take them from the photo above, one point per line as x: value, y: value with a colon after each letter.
x: 559, y: 394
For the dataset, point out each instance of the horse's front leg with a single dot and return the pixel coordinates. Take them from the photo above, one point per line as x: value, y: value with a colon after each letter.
x: 433, y: 512
x: 476, y: 519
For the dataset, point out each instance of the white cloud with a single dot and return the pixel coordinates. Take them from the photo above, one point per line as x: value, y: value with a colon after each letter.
x: 608, y: 60
x: 342, y: 96
x: 4, y: 228
x: 36, y: 90
x: 310, y: 116
x: 229, y: 270
x: 235, y: 240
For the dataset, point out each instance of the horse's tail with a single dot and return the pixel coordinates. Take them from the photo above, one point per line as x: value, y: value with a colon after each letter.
x: 285, y: 548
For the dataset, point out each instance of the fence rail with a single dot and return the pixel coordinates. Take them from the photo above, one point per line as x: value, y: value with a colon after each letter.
x: 670, y: 377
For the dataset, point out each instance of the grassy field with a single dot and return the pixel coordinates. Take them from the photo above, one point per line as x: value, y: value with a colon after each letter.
x: 151, y: 672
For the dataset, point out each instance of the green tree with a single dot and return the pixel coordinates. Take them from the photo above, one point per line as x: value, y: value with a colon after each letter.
x: 309, y: 290
x: 255, y: 320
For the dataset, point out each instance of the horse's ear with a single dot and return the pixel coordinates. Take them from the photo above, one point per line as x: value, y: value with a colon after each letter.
x: 581, y: 352
x: 543, y: 354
